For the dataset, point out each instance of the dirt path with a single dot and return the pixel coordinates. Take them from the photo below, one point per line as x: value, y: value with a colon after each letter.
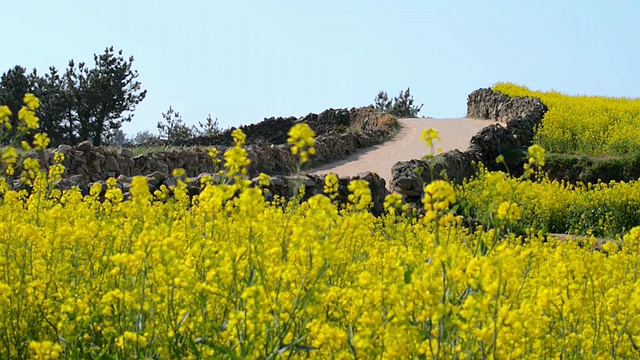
x: 406, y: 145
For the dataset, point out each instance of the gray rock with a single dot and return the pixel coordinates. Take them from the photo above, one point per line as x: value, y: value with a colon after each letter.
x: 111, y: 164
x: 63, y: 149
x: 170, y: 182
x: 84, y: 146
x: 408, y: 185
x: 126, y: 153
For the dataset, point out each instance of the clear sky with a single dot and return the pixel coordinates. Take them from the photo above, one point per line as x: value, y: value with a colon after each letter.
x: 242, y: 61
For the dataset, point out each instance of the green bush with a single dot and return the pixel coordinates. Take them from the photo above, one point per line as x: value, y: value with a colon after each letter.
x: 401, y: 106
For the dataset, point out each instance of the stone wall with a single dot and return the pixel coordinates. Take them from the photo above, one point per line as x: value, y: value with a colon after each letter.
x: 488, y: 104
x: 341, y: 133
x: 282, y: 186
x: 90, y: 163
x: 274, y: 130
x: 521, y: 117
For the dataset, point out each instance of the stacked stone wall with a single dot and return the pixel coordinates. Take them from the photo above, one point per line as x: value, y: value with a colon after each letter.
x: 517, y: 119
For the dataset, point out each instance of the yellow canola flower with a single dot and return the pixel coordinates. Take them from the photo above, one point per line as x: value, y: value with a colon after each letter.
x: 58, y: 157
x: 583, y: 125
x: 429, y: 135
x: 5, y: 290
x: 238, y: 137
x: 41, y: 141
x: 236, y: 161
x: 178, y: 173
x: 263, y: 179
x: 131, y: 339
x: 31, y: 164
x: 536, y: 153
x: 148, y: 275
x: 393, y: 203
x: 360, y: 194
x: 140, y: 189
x: 44, y: 350
x: 509, y: 211
x: 331, y: 185
x: 5, y: 113
x: 31, y: 102
x: 301, y: 139
x: 438, y: 195
x: 9, y: 156
x: 213, y: 153
x: 29, y: 118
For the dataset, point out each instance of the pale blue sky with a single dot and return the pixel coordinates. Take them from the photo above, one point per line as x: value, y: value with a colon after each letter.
x: 242, y: 61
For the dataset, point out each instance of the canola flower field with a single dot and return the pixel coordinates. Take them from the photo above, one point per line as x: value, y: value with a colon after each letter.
x: 605, y: 210
x: 226, y: 274
x: 584, y: 125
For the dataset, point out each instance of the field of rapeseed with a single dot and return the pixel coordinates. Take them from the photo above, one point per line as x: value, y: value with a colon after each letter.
x: 584, y: 125
x: 227, y: 275
x: 606, y: 210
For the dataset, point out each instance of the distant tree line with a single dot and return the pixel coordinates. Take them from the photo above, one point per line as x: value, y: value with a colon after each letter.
x: 81, y: 103
x: 171, y: 130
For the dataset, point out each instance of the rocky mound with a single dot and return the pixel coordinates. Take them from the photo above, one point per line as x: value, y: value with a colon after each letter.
x: 522, y: 116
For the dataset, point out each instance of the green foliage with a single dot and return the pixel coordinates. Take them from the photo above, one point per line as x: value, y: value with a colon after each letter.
x: 116, y: 138
x: 144, y: 137
x: 590, y: 169
x: 82, y: 103
x: 105, y: 93
x: 57, y: 104
x: 400, y: 106
x: 210, y: 127
x: 174, y: 130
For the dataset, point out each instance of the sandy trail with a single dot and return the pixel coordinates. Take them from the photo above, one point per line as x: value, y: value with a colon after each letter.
x: 406, y: 145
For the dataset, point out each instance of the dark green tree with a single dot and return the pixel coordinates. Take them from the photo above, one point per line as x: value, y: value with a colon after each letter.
x: 81, y: 104
x: 382, y: 102
x: 173, y: 129
x: 106, y: 95
x: 210, y: 127
x: 116, y: 138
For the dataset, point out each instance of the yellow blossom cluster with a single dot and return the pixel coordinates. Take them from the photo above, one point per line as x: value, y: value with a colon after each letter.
x: 301, y: 139
x: 235, y: 158
x: 331, y: 185
x: 360, y: 195
x: 429, y: 136
x: 438, y: 197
